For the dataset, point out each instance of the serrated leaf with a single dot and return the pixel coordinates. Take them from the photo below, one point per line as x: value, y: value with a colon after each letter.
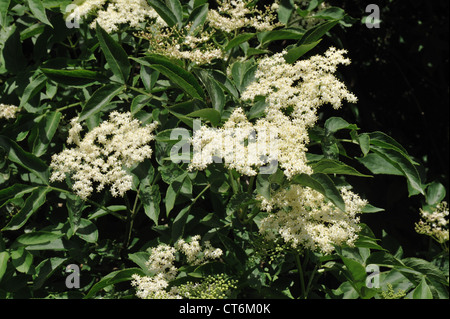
x: 45, y: 269
x: 38, y: 238
x: 295, y: 53
x: 87, y: 231
x: 435, y: 193
x: 334, y: 124
x: 329, y: 166
x: 4, y: 257
x: 197, y: 18
x: 113, y: 278
x: 209, y: 114
x: 422, y: 291
x: 44, y: 132
x: 31, y: 205
x: 75, y: 77
x: 164, y: 12
x: 175, y: 73
x: 99, y: 100
x: 115, y: 55
x: 151, y: 198
x: 27, y: 160
x: 314, y: 34
x: 38, y: 10
x: 239, y: 39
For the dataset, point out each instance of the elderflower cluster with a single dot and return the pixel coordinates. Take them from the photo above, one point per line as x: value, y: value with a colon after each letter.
x: 303, y: 218
x: 435, y: 224
x: 249, y: 148
x: 293, y: 93
x: 233, y: 15
x: 103, y: 154
x: 303, y: 86
x: 117, y: 12
x: 8, y: 111
x: 161, y: 265
x: 184, y: 43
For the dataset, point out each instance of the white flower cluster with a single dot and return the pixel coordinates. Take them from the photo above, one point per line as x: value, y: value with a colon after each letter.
x: 162, y: 265
x: 246, y: 147
x: 293, y: 93
x: 8, y: 111
x: 303, y: 218
x: 197, y: 45
x: 103, y: 154
x: 117, y: 12
x: 435, y: 224
x: 233, y: 15
x: 303, y: 86
x: 183, y: 44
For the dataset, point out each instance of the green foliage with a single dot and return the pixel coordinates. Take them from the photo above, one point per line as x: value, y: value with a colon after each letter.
x: 54, y: 73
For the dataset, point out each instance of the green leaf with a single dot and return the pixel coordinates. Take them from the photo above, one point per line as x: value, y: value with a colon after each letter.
x: 295, y: 53
x: 34, y: 87
x: 31, y: 205
x: 329, y: 166
x: 22, y: 259
x: 87, y: 231
x: 99, y: 100
x: 37, y: 238
x: 197, y: 18
x: 435, y: 193
x: 330, y: 13
x: 356, y: 270
x: 114, y: 278
x: 151, y: 198
x: 364, y: 143
x: 43, y: 132
x: 45, y: 269
x: 14, y: 59
x: 38, y: 10
x: 4, y: 7
x: 175, y: 73
x: 4, y: 257
x: 243, y: 73
x: 173, y: 190
x: 383, y: 140
x: 209, y: 114
x: 422, y: 291
x: 179, y: 223
x: 378, y: 164
x: 431, y: 271
x: 115, y: 55
x: 314, y: 34
x: 27, y: 160
x: 285, y: 9
x: 263, y: 185
x: 241, y: 38
x: 334, y: 124
x: 282, y: 34
x: 175, y: 7
x: 164, y: 12
x: 14, y: 190
x: 403, y: 164
x: 324, y: 185
x: 75, y: 77
x: 140, y: 258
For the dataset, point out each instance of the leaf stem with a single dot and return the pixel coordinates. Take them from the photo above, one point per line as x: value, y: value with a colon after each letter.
x: 300, y: 274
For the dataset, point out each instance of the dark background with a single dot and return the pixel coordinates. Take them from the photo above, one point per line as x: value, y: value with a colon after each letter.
x: 399, y: 72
